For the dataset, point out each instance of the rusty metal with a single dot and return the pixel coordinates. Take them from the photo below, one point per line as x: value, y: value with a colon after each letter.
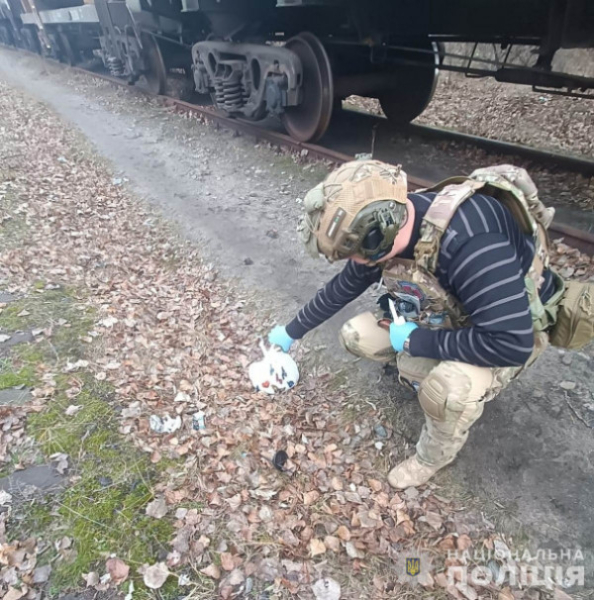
x: 310, y: 119
x: 249, y: 128
x: 576, y: 238
x: 575, y: 164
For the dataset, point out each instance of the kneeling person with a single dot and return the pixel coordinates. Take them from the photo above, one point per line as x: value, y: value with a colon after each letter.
x: 467, y: 276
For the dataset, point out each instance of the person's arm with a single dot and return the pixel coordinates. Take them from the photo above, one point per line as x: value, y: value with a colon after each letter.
x: 486, y: 276
x: 343, y: 288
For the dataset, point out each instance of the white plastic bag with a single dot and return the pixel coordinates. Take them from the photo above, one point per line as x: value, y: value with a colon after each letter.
x: 277, y: 371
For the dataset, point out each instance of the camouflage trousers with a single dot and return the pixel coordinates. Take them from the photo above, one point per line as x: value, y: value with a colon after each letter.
x: 452, y: 394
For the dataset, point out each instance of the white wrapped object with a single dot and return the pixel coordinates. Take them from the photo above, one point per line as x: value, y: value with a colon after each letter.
x: 164, y: 424
x: 398, y: 319
x: 277, y: 371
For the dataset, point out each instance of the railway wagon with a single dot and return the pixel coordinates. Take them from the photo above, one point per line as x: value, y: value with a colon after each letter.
x: 297, y: 59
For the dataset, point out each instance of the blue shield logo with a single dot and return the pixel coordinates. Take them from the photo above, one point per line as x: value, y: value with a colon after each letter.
x: 413, y: 566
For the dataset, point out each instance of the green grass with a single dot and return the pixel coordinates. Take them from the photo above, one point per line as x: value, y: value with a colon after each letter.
x: 104, y: 512
x: 58, y: 307
x: 103, y: 508
x: 10, y: 378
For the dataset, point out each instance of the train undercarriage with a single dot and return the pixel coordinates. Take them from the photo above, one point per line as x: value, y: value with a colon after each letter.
x: 297, y: 59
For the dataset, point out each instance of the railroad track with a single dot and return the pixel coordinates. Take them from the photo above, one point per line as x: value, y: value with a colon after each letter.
x: 565, y: 161
x: 582, y: 240
x: 544, y: 157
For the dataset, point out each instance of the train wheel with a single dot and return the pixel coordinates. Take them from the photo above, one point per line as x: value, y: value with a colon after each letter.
x: 413, y: 90
x: 154, y: 79
x: 309, y: 120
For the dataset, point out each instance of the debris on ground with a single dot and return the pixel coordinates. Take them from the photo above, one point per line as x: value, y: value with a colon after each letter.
x: 570, y: 262
x: 501, y: 111
x: 169, y: 338
x: 164, y: 424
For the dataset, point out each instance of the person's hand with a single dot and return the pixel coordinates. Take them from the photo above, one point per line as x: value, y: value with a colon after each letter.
x: 279, y: 337
x: 399, y: 334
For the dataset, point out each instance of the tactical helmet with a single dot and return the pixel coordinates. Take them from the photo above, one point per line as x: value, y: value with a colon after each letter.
x: 358, y: 209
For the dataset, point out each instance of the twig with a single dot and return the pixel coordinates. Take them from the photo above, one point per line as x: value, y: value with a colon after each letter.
x: 87, y: 518
x: 575, y: 412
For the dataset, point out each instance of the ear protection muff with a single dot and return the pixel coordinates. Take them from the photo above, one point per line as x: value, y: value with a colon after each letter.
x: 371, y: 245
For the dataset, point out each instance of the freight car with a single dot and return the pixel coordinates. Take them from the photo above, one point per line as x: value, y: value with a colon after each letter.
x: 298, y: 58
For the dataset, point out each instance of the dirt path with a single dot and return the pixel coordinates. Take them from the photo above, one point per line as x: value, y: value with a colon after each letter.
x: 529, y: 463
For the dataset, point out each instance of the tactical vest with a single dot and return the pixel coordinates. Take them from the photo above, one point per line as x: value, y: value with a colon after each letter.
x: 419, y: 295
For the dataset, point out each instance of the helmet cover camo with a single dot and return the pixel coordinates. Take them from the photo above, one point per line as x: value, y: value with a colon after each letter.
x: 354, y: 199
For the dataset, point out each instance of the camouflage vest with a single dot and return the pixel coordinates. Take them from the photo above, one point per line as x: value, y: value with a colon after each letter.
x: 413, y: 284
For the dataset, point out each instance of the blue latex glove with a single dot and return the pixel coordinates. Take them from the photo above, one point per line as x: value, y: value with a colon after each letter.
x: 279, y: 337
x: 399, y: 334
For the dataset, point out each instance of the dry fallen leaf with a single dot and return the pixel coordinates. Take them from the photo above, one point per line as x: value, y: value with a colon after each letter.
x: 61, y: 461
x: 316, y: 547
x: 310, y: 497
x: 155, y: 576
x: 505, y: 594
x: 13, y: 594
x: 157, y: 508
x: 467, y: 591
x: 352, y: 551
x: 375, y: 485
x: 337, y: 484
x: 333, y: 543
x: 117, y: 569
x: 5, y: 498
x: 91, y: 578
x: 212, y: 571
x: 227, y: 561
x: 434, y: 520
x: 568, y: 385
x: 235, y: 578
x: 72, y: 410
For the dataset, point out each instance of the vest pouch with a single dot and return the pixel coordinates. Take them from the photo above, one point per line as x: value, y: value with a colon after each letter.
x: 574, y: 327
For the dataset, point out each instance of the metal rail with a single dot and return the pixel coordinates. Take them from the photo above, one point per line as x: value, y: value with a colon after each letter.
x: 583, y: 241
x: 568, y: 162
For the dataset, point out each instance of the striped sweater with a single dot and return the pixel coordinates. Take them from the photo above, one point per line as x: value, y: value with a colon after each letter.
x: 483, y: 259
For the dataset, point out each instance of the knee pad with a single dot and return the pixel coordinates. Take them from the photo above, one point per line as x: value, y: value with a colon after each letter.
x: 349, y: 338
x: 362, y: 336
x: 445, y: 388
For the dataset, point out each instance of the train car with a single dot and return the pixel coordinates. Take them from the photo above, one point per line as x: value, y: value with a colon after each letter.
x: 298, y: 59
x: 385, y: 49
x: 10, y: 22
x: 136, y: 39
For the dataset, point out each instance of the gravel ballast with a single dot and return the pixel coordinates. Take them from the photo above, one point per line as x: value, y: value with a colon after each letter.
x: 506, y: 112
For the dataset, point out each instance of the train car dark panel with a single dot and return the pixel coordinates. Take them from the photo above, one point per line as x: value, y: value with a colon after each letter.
x: 297, y: 59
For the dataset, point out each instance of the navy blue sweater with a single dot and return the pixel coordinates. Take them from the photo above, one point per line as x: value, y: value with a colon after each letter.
x: 483, y: 259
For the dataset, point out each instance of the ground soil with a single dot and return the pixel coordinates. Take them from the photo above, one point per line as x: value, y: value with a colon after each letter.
x: 529, y: 463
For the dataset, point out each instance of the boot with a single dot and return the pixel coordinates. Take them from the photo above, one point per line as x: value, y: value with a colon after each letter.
x: 411, y: 473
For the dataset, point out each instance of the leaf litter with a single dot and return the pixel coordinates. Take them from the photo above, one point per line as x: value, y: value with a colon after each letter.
x: 173, y: 339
